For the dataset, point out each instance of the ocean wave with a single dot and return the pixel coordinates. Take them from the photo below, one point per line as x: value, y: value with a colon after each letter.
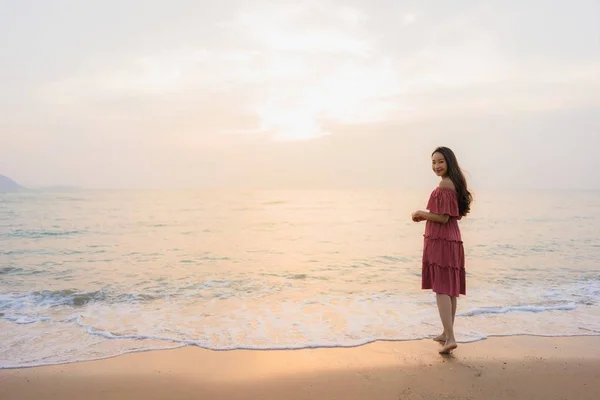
x: 25, y: 319
x: 41, y: 233
x: 134, y: 343
x: 10, y: 270
x: 326, y: 321
x: 524, y: 308
x: 47, y: 299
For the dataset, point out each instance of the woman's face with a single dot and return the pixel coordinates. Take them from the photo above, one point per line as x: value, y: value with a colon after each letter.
x: 438, y: 164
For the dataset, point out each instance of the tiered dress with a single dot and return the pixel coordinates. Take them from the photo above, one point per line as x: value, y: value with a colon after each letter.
x: 443, y: 253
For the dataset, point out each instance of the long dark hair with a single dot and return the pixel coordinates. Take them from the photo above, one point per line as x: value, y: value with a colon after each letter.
x: 458, y: 178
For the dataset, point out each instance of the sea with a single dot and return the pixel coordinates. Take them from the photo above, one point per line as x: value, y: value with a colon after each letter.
x: 92, y: 274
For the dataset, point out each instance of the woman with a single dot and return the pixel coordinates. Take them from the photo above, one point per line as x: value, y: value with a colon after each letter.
x: 443, y: 268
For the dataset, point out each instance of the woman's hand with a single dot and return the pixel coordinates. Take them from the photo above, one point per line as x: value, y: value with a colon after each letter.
x: 416, y: 216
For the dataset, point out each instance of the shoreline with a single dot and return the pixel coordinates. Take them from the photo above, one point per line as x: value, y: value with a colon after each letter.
x: 526, y: 367
x: 299, y: 348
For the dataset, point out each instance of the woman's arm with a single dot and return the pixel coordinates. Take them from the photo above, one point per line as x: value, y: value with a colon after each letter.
x: 442, y: 219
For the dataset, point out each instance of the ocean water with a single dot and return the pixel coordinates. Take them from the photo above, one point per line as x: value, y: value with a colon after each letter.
x: 92, y: 274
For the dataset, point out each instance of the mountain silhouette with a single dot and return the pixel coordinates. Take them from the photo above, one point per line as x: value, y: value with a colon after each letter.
x: 8, y: 185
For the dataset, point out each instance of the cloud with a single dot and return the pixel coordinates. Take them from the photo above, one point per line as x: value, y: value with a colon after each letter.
x: 292, y: 74
x: 317, y: 73
x: 351, y: 15
x: 408, y: 19
x: 298, y: 71
x: 199, y: 91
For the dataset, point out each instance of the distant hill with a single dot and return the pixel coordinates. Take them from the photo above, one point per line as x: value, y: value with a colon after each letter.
x: 8, y: 185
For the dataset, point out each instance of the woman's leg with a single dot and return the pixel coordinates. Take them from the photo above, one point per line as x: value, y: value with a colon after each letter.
x: 444, y: 303
x: 453, y: 299
x: 442, y: 337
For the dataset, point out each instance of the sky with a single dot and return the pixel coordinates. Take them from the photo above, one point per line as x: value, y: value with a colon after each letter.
x: 299, y: 94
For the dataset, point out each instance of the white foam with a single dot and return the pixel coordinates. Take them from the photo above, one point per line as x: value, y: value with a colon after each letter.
x: 509, y: 309
x: 76, y: 360
x: 290, y: 321
x: 273, y: 333
x: 25, y: 319
x: 109, y: 335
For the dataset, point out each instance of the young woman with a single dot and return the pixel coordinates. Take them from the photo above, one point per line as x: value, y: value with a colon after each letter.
x: 443, y: 268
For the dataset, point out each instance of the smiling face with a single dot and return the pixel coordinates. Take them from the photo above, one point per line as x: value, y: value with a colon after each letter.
x: 439, y: 165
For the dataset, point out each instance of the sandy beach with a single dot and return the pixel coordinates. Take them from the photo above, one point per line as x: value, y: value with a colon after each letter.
x: 499, y: 368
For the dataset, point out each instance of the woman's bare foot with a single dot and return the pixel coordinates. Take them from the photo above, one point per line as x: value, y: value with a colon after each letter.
x: 441, y: 338
x: 448, y: 347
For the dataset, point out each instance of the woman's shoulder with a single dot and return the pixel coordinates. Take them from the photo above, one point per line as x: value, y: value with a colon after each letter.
x: 446, y: 184
x: 443, y: 199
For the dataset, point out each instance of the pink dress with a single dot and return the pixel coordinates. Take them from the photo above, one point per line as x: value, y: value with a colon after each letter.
x: 443, y: 252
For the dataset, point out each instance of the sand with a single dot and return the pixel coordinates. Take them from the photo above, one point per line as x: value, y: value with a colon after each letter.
x: 499, y: 368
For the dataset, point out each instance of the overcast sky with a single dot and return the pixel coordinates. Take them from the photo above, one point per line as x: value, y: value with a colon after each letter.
x: 299, y: 94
